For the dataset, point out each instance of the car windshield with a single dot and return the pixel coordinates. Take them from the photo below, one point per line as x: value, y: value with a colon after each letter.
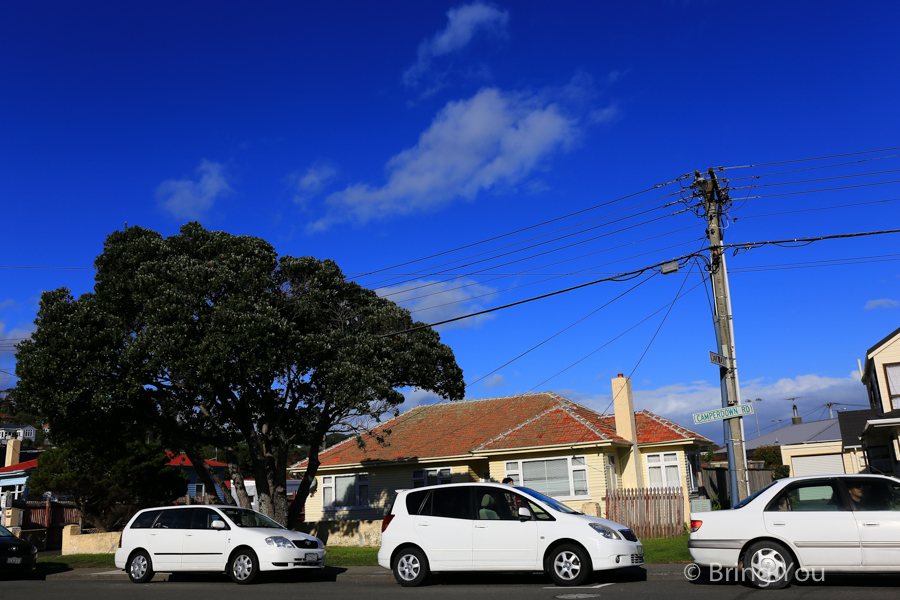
x: 554, y: 504
x: 249, y: 518
x: 752, y: 496
x: 4, y: 532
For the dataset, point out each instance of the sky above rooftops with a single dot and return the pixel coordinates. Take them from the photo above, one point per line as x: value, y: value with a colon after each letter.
x: 376, y: 134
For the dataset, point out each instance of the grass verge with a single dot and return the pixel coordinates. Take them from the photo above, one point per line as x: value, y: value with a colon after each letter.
x: 666, y: 550
x: 343, y: 556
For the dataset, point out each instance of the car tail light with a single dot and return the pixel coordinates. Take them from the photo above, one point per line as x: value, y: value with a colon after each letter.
x: 121, y: 531
x: 386, y: 522
x: 695, y: 525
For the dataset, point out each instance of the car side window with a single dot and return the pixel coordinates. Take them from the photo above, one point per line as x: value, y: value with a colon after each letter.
x: 873, y: 494
x: 452, y: 502
x: 203, y: 518
x: 498, y: 504
x: 415, y: 502
x: 145, y: 520
x: 539, y: 513
x: 813, y: 496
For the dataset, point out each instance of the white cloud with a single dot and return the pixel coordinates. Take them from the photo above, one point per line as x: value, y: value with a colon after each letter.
x: 491, y: 139
x: 463, y: 23
x: 881, y: 303
x: 309, y: 183
x: 189, y: 199
x: 495, y: 380
x: 606, y: 115
x: 440, y: 301
x: 680, y: 400
x: 9, y: 303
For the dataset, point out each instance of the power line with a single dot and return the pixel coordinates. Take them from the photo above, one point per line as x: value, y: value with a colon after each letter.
x: 783, y: 162
x: 790, y: 212
x: 813, y: 180
x: 831, y: 166
x: 655, y: 187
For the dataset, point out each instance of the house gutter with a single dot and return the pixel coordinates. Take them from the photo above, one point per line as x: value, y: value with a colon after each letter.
x: 531, y: 449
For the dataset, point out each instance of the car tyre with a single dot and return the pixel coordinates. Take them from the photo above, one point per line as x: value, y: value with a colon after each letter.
x: 770, y: 565
x: 243, y: 566
x: 139, y: 567
x: 568, y: 564
x: 410, y: 567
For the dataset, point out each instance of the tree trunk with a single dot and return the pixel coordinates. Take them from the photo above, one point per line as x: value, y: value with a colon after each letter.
x: 238, y: 479
x: 312, y: 467
x: 207, y: 474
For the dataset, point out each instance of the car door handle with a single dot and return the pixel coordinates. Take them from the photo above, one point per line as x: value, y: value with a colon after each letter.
x: 188, y: 534
x: 481, y: 527
x: 423, y: 524
x: 871, y: 524
x: 779, y: 523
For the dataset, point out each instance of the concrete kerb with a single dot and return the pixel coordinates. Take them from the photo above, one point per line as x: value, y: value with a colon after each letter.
x: 649, y: 572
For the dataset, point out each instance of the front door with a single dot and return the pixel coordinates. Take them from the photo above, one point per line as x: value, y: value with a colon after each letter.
x: 500, y: 538
x: 445, y: 528
x: 812, y: 516
x: 876, y: 507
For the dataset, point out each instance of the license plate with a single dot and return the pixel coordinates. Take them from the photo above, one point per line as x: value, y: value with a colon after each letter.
x: 14, y: 560
x: 311, y: 557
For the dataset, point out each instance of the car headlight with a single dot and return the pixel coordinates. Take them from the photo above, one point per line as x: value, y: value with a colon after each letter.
x: 605, y: 531
x: 280, y: 542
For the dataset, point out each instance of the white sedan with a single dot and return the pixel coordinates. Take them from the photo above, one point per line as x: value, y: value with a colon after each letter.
x: 236, y: 541
x: 800, y: 526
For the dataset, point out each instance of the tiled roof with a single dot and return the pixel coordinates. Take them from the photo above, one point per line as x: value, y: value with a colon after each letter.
x: 458, y: 428
x: 654, y: 429
x: 22, y: 466
x: 179, y: 460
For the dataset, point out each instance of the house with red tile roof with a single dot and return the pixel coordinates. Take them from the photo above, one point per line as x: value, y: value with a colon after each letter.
x: 196, y: 488
x: 541, y: 440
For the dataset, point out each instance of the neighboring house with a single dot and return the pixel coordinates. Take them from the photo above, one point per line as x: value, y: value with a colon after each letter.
x: 880, y: 436
x: 196, y: 488
x: 16, y: 432
x: 542, y: 441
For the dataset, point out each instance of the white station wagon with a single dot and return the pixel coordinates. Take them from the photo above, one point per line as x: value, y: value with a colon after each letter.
x: 801, y: 525
x: 497, y: 527
x: 236, y: 541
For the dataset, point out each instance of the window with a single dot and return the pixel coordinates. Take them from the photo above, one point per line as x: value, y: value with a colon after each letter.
x: 437, y: 476
x: 813, y: 496
x: 415, y: 503
x: 145, y: 520
x: 200, y: 490
x: 497, y: 504
x: 662, y: 469
x: 873, y: 494
x: 892, y: 377
x: 345, y: 491
x: 452, y: 502
x: 612, y: 476
x: 556, y: 477
x: 204, y: 517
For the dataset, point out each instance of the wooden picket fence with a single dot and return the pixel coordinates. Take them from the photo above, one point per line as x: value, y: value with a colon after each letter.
x: 649, y: 512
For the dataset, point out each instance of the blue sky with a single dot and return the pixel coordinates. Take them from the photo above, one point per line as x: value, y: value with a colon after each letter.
x: 376, y: 134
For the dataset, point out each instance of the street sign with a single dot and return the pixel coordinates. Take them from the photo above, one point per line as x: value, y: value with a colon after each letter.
x: 723, y: 413
x: 718, y: 359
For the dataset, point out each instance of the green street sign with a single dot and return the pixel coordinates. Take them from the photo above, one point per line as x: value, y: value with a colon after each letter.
x: 723, y: 413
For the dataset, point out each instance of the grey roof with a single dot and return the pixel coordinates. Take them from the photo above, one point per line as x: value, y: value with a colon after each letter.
x: 853, y: 422
x: 814, y: 431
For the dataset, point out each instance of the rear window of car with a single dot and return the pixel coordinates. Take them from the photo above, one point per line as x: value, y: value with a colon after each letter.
x: 145, y: 520
x: 415, y: 500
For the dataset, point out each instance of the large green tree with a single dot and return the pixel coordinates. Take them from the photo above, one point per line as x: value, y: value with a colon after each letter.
x: 205, y: 338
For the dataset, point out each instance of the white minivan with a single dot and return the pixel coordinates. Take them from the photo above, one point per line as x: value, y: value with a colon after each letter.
x: 498, y: 527
x: 236, y: 541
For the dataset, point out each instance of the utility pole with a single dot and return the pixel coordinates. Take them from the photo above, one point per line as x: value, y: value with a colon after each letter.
x: 714, y: 198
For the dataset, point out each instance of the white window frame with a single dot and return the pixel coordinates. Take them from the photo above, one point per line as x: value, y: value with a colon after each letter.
x: 513, y: 468
x: 360, y: 487
x: 893, y: 393
x: 612, y: 471
x: 661, y: 465
x: 420, y: 476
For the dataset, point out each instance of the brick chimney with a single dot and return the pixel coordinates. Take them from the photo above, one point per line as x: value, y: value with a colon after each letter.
x: 623, y: 403
x: 12, y: 452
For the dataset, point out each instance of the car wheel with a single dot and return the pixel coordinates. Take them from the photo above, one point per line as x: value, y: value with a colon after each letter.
x: 139, y: 567
x: 410, y: 567
x: 771, y: 565
x: 568, y: 565
x: 243, y: 566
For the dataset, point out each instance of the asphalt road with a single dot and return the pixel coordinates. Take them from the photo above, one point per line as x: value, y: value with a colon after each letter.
x: 656, y: 581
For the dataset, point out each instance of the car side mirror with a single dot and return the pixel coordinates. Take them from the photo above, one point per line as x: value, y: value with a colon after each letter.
x: 218, y: 524
x: 524, y: 514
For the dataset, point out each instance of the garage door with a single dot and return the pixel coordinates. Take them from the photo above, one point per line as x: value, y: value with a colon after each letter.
x: 822, y: 464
